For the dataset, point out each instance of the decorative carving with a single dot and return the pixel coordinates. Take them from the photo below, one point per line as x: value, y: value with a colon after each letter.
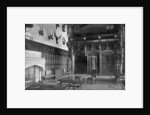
x: 50, y: 35
x: 107, y: 51
x: 41, y: 32
x: 57, y: 33
x: 64, y: 33
x: 92, y: 52
x: 28, y: 28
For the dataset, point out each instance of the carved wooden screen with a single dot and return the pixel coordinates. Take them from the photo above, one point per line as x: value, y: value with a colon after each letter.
x: 108, y: 64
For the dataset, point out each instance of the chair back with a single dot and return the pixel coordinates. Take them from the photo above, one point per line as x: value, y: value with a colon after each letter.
x: 93, y: 74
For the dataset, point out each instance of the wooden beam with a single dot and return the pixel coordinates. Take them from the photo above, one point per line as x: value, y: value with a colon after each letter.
x: 102, y: 40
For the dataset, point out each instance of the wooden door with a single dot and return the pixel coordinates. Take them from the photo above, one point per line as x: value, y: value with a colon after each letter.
x: 91, y: 63
x: 108, y: 65
x: 80, y: 64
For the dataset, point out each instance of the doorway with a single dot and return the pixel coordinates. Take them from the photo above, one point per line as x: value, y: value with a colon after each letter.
x: 92, y: 63
x: 108, y: 64
x: 80, y: 64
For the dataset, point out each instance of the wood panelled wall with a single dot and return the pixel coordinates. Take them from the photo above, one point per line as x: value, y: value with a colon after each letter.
x: 108, y: 65
x: 54, y: 61
x: 80, y: 64
x: 55, y: 58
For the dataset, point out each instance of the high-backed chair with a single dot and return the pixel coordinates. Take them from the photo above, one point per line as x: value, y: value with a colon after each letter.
x: 92, y: 77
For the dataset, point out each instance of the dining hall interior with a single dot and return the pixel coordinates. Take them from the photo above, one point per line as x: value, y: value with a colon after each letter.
x: 74, y: 56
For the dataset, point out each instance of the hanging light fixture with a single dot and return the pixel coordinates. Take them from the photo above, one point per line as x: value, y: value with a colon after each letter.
x: 84, y: 37
x: 99, y: 37
x: 115, y: 35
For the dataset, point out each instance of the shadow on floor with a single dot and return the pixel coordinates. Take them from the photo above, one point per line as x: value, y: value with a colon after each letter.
x: 101, y: 84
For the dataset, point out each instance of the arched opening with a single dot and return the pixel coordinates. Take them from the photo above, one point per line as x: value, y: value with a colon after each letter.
x: 33, y: 74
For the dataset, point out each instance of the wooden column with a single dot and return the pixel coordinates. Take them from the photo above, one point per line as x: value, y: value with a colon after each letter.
x: 90, y: 64
x: 100, y: 60
x: 40, y: 79
x: 122, y: 50
x: 73, y: 62
x: 87, y: 64
x: 100, y: 63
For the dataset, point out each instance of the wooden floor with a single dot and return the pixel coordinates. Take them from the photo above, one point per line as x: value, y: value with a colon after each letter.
x: 101, y: 84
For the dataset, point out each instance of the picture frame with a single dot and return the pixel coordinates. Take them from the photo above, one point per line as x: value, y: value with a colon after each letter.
x: 54, y: 5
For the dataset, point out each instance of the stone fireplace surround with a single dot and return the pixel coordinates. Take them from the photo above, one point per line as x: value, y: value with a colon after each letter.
x: 34, y: 65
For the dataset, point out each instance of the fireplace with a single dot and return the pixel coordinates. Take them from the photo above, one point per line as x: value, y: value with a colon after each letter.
x: 34, y: 66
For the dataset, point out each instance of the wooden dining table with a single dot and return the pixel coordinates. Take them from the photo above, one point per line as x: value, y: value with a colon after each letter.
x: 73, y: 79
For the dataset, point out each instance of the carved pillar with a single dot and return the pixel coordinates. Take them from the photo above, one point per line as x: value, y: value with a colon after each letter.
x: 73, y: 62
x: 122, y: 49
x: 100, y: 60
x: 100, y: 63
x: 87, y: 64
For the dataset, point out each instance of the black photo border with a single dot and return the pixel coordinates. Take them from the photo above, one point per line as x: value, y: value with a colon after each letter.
x: 104, y: 3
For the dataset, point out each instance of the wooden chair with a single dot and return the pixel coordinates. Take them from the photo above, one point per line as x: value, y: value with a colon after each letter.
x: 93, y: 75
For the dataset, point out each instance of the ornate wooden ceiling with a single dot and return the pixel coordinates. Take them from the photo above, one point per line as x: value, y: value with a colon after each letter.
x: 104, y: 37
x: 92, y: 31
